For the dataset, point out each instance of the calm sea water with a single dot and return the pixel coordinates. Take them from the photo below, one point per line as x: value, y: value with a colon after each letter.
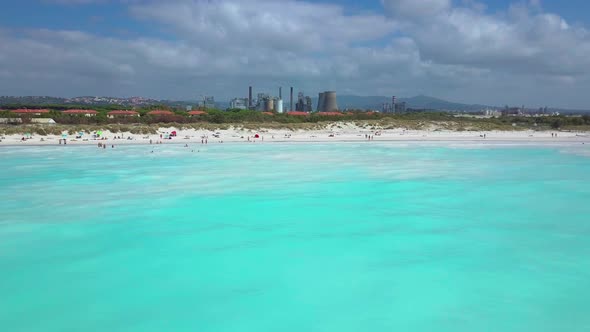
x: 272, y: 237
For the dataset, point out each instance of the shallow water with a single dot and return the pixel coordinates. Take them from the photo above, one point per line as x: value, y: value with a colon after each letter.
x: 299, y: 237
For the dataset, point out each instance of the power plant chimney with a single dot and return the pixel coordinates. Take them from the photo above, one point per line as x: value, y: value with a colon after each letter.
x: 330, y: 104
x: 280, y: 92
x: 291, y: 105
x: 250, y: 98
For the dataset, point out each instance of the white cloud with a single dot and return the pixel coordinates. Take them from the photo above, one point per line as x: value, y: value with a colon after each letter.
x: 416, y: 9
x: 522, y: 40
x: 220, y: 47
x: 280, y: 25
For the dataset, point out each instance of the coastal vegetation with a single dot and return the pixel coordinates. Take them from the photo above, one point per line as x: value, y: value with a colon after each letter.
x: 217, y: 119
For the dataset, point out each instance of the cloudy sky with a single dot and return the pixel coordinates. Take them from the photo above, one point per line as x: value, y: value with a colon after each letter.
x: 497, y: 52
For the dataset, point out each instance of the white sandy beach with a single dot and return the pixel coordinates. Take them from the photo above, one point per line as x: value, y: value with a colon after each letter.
x: 337, y: 132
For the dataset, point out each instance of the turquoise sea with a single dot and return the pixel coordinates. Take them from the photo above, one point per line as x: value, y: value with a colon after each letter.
x: 295, y: 237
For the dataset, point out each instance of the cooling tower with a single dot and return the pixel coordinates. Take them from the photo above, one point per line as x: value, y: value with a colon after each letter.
x: 330, y: 104
x: 321, y: 102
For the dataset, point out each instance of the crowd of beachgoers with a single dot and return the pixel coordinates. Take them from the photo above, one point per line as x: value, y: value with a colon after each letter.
x: 276, y: 135
x: 346, y: 132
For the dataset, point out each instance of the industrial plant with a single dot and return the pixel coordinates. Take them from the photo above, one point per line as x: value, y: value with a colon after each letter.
x: 267, y: 103
x: 394, y: 107
x: 326, y: 103
x: 264, y: 102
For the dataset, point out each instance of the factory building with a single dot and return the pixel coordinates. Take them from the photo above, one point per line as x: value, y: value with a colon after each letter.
x: 239, y: 103
x: 400, y: 107
x: 207, y: 102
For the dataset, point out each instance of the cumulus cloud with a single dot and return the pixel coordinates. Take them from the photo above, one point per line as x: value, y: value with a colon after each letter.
x: 455, y: 50
x: 523, y: 39
x: 412, y: 9
x: 285, y: 25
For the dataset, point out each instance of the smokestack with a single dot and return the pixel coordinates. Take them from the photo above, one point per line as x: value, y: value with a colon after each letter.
x: 250, y: 97
x: 280, y: 92
x: 291, y: 106
x: 330, y: 104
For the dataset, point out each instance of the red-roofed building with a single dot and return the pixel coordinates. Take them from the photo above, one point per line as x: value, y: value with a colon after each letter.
x: 81, y: 112
x: 298, y: 113
x: 329, y: 113
x: 30, y: 112
x: 196, y: 113
x: 160, y: 112
x: 268, y: 113
x: 121, y: 113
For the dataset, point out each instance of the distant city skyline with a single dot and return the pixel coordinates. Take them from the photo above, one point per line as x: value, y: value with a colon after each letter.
x: 498, y: 52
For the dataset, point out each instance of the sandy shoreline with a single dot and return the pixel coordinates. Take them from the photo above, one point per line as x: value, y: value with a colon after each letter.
x: 345, y: 134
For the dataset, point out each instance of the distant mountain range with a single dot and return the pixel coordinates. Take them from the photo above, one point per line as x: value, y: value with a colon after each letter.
x: 418, y: 102
x: 344, y: 102
x: 86, y: 100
